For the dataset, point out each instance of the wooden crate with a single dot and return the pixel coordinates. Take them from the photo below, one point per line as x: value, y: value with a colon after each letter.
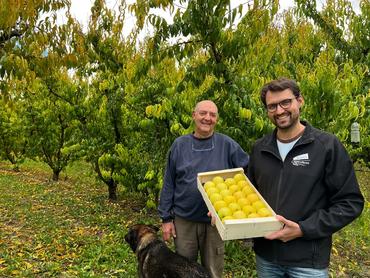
x: 238, y: 228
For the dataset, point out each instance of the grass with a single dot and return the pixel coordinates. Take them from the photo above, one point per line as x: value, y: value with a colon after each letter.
x: 70, y: 229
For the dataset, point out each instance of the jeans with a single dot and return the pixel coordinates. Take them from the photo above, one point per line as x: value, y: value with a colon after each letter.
x: 266, y: 269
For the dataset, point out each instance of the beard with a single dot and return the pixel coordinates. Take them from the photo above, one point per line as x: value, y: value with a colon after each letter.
x: 286, y: 120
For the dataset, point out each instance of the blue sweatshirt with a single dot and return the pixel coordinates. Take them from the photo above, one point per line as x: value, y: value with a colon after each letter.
x: 187, y: 157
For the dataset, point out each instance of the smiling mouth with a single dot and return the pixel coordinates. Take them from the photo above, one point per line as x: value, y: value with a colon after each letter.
x: 282, y: 117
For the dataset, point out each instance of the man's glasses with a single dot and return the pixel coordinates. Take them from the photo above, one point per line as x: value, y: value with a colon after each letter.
x: 285, y: 104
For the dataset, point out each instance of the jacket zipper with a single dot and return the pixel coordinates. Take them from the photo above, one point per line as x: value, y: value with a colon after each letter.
x: 315, y: 251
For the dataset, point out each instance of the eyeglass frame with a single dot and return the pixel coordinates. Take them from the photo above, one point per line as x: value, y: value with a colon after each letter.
x: 281, y: 104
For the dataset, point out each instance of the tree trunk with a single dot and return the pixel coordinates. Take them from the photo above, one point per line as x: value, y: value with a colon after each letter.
x: 16, y: 167
x: 112, y: 189
x: 56, y: 174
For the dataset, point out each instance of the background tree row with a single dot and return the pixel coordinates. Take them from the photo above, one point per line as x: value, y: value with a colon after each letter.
x: 119, y: 102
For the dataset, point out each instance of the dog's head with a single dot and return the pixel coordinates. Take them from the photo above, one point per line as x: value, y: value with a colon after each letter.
x: 139, y: 235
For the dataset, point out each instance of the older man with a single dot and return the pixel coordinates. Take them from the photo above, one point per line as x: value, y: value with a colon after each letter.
x: 181, y: 207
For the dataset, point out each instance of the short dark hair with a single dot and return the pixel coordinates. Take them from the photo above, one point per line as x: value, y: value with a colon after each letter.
x: 279, y: 85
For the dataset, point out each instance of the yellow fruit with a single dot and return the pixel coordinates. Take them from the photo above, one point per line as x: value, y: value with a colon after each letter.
x: 215, y: 197
x: 258, y: 204
x: 229, y: 181
x: 229, y: 217
x: 245, y: 113
x: 238, y: 195
x: 209, y: 184
x: 239, y: 214
x: 225, y: 211
x: 264, y: 212
x: 219, y: 204
x: 243, y: 202
x: 242, y: 184
x: 225, y: 193
x: 221, y: 186
x: 218, y: 179
x: 247, y: 190
x: 248, y: 209
x: 239, y: 177
x: 253, y: 215
x: 233, y: 188
x: 234, y: 206
x: 229, y: 199
x: 211, y: 190
x: 253, y: 197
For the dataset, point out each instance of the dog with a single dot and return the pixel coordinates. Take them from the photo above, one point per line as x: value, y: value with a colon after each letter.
x: 156, y: 260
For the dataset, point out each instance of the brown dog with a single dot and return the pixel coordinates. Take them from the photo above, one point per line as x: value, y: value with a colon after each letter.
x: 156, y: 260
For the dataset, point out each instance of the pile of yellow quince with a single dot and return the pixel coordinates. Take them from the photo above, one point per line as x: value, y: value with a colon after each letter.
x: 235, y: 198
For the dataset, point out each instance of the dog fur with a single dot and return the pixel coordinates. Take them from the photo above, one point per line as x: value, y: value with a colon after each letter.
x: 156, y: 260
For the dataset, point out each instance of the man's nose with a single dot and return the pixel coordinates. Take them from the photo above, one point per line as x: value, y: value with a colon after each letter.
x: 207, y: 116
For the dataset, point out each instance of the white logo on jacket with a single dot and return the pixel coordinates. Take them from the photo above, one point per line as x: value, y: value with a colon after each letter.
x: 301, y: 160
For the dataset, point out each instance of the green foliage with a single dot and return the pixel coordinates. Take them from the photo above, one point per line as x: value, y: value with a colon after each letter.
x: 345, y: 29
x: 119, y: 104
x: 11, y: 11
x: 239, y: 259
x: 65, y: 230
x: 13, y: 137
x: 51, y: 123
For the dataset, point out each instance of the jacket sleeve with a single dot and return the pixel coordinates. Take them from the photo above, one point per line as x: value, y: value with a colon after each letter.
x: 168, y: 190
x: 345, y: 201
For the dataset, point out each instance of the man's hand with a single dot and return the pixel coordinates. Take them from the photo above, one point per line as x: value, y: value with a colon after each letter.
x: 168, y: 230
x: 213, y: 218
x: 290, y: 230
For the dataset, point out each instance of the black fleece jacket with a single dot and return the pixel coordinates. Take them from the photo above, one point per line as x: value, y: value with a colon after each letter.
x: 315, y: 186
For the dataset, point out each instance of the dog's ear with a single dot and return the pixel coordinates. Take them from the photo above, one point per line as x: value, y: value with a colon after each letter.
x: 131, y: 239
x: 155, y: 228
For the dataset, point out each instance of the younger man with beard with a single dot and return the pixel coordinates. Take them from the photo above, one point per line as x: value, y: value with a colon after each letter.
x: 307, y: 177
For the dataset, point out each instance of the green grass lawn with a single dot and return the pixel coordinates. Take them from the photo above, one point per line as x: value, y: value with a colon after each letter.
x: 70, y: 229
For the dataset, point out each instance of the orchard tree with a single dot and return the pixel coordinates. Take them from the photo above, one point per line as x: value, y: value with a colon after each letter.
x: 160, y: 115
x: 13, y: 134
x: 340, y: 88
x: 24, y: 26
x: 230, y: 64
x: 104, y: 60
x: 212, y: 49
x: 51, y: 121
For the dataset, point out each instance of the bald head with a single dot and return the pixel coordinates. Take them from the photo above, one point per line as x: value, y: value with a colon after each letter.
x: 205, y: 116
x: 205, y: 103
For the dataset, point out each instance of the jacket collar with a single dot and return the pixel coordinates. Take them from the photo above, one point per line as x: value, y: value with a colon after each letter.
x: 269, y: 143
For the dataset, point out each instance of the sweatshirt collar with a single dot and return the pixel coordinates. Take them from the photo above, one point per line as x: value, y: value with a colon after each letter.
x: 202, y: 139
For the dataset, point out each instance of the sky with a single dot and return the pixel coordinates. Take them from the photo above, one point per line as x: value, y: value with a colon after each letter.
x: 80, y: 9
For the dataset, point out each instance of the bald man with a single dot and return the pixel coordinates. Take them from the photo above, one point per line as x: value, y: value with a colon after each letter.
x: 181, y: 207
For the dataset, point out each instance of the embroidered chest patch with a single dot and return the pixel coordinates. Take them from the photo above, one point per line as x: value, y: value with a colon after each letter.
x: 301, y: 160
